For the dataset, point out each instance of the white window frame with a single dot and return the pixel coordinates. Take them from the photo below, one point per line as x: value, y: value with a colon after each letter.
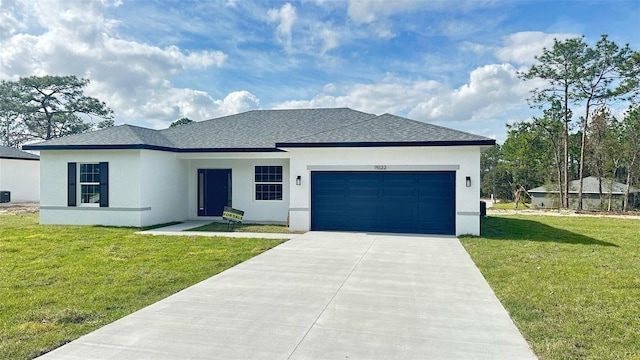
x: 256, y: 183
x: 81, y: 184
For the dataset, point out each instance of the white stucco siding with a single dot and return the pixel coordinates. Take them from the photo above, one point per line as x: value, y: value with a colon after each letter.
x: 242, y: 183
x: 21, y: 178
x: 163, y: 180
x: 125, y: 206
x: 464, y: 160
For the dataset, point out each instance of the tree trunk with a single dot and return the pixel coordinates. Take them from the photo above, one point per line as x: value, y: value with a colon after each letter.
x: 600, y: 190
x: 627, y: 190
x: 565, y: 200
x: 559, y: 168
x: 585, y: 125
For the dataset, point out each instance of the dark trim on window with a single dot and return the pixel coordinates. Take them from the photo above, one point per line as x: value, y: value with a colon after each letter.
x: 71, y: 184
x: 104, y: 184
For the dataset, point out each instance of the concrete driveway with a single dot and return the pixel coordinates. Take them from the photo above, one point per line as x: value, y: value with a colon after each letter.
x: 324, y: 295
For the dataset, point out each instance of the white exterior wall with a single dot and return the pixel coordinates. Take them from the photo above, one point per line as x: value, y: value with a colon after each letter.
x: 21, y: 178
x: 125, y: 205
x: 150, y: 187
x: 242, y: 183
x: 146, y: 187
x: 163, y: 187
x: 465, y: 160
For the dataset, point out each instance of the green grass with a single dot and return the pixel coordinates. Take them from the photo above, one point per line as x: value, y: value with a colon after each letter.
x: 509, y: 206
x: 243, y: 227
x: 60, y: 282
x: 571, y: 284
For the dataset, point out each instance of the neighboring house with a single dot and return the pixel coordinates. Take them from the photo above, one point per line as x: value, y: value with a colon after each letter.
x: 613, y: 195
x: 319, y: 169
x: 19, y: 175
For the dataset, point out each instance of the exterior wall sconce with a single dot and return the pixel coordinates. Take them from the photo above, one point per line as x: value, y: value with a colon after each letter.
x: 298, y: 180
x: 468, y: 181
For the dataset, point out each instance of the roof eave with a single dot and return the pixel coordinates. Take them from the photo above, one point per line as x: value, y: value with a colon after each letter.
x: 19, y: 158
x: 145, y: 147
x: 387, y: 144
x: 99, y: 147
x: 227, y: 150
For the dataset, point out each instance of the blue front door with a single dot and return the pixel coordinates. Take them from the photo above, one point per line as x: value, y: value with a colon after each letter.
x: 214, y: 191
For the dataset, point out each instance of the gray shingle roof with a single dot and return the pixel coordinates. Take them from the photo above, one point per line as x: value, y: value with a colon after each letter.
x: 260, y: 129
x: 387, y: 128
x: 114, y: 136
x: 13, y: 153
x: 590, y: 185
x: 267, y: 129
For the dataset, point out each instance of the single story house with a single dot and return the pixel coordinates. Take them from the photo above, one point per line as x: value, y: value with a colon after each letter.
x: 19, y: 176
x: 317, y: 169
x: 611, y: 190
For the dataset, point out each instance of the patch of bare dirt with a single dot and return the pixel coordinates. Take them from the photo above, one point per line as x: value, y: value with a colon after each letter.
x: 19, y: 208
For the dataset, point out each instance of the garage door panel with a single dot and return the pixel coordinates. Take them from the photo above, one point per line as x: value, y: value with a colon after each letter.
x: 401, y: 193
x: 364, y: 192
x: 420, y: 202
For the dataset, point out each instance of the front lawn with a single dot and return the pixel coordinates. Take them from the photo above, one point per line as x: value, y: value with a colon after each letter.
x: 571, y: 284
x: 509, y: 206
x: 60, y: 282
x: 217, y: 226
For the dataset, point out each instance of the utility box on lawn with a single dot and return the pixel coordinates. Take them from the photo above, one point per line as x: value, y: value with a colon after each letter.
x: 5, y: 196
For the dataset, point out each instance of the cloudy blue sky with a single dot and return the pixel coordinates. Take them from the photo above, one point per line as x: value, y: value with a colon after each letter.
x: 449, y: 62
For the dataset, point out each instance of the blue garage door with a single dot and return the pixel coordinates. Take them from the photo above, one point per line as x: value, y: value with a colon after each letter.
x: 406, y: 202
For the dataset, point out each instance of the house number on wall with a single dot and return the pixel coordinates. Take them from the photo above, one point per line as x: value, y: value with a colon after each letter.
x: 380, y: 167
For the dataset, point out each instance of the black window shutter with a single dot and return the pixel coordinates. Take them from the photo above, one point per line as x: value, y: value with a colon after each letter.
x: 104, y: 184
x: 71, y: 184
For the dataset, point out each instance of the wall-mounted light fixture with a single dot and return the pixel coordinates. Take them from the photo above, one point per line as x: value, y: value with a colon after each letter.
x: 468, y: 181
x: 298, y: 180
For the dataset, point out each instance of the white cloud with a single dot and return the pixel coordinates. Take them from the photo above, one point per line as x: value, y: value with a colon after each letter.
x: 9, y: 24
x: 522, y: 47
x: 492, y: 91
x: 330, y: 38
x: 286, y: 16
x: 474, y: 47
x: 133, y: 78
x: 392, y: 97
x: 237, y: 102
x: 172, y: 104
x: 329, y: 88
x: 368, y: 11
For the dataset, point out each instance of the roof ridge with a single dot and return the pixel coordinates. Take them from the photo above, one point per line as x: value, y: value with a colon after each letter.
x: 137, y: 130
x: 265, y: 110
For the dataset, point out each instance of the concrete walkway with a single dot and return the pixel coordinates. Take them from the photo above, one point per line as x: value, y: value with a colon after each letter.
x: 180, y: 230
x: 324, y: 295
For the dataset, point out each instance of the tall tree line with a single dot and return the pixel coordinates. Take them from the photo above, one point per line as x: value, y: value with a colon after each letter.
x: 46, y: 107
x: 576, y: 134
